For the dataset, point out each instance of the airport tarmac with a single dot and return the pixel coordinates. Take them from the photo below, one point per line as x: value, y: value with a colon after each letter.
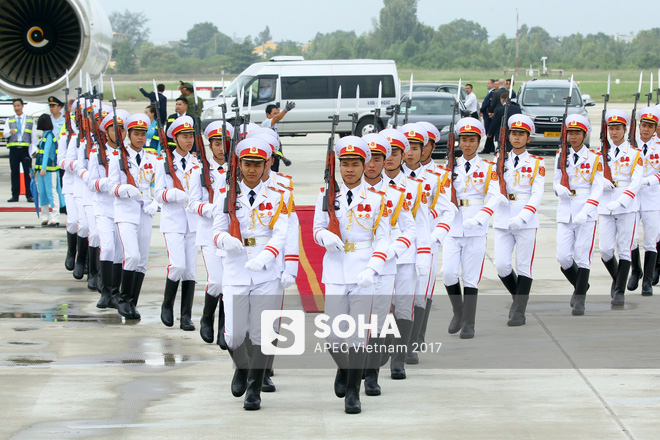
x: 69, y: 370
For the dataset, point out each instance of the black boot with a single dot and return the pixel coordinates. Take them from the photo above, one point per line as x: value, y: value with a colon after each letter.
x: 636, y: 273
x: 255, y: 378
x: 81, y: 257
x: 93, y: 273
x: 117, y: 271
x: 70, y: 260
x: 422, y: 330
x: 356, y: 359
x: 510, y: 282
x: 137, y: 288
x: 412, y: 357
x: 656, y: 272
x: 167, y: 308
x: 649, y: 265
x: 469, y: 312
x: 372, y: 364
x: 242, y: 364
x: 106, y: 292
x: 397, y: 365
x: 126, y: 297
x: 571, y: 275
x: 206, y: 330
x: 221, y: 324
x: 612, y: 267
x: 187, y: 297
x: 620, y: 283
x: 456, y: 298
x: 520, y: 301
x: 341, y: 378
x: 267, y: 386
x: 581, y: 287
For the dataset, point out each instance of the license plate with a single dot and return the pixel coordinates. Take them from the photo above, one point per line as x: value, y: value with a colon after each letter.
x: 552, y: 134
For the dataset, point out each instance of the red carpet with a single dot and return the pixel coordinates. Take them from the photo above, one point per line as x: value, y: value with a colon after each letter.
x: 311, y: 264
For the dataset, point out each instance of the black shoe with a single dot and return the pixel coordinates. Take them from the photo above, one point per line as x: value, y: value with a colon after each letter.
x: 12, y: 200
x: 187, y: 297
x: 106, y: 276
x: 267, y: 385
x: 167, y: 308
x: 517, y: 318
x: 636, y: 272
x: 242, y: 364
x: 341, y: 378
x: 137, y: 288
x: 81, y: 257
x: 255, y: 379
x: 70, y: 260
x: 620, y: 283
x: 30, y: 199
x: 356, y: 360
x: 126, y: 297
x: 206, y: 330
x: 469, y: 311
x: 456, y: 298
x: 649, y: 265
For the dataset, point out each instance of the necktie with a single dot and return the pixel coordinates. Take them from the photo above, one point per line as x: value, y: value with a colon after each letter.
x: 575, y: 158
x: 467, y: 167
x: 616, y: 151
x: 252, y: 196
x: 138, y: 159
x: 412, y: 174
x: 20, y: 126
x: 183, y: 164
x: 349, y: 197
x: 515, y: 161
x: 392, y: 182
x: 645, y: 148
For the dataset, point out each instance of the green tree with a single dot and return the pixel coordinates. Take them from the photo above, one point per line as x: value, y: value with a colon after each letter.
x: 263, y: 37
x: 130, y: 24
x: 125, y: 58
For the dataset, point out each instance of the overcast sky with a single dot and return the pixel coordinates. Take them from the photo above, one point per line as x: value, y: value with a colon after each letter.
x: 300, y: 20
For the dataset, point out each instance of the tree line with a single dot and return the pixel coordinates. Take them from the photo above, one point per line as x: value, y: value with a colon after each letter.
x: 397, y: 34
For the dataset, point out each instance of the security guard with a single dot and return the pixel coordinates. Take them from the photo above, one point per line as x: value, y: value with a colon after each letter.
x: 254, y: 284
x: 201, y: 205
x: 577, y: 210
x: 648, y: 196
x: 464, y: 246
x: 20, y: 131
x: 177, y: 224
x: 133, y: 209
x: 619, y: 203
x: 181, y: 109
x: 188, y: 91
x: 111, y: 253
x: 516, y: 222
x: 352, y: 261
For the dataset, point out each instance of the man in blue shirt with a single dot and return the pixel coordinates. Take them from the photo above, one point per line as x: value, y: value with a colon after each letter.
x: 160, y: 88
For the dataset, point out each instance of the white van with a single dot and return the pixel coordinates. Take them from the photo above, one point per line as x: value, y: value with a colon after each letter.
x: 313, y: 86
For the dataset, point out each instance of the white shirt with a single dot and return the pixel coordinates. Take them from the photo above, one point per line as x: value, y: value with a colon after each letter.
x: 471, y: 103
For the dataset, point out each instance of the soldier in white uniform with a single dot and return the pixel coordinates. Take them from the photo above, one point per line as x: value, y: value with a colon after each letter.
x: 648, y: 195
x: 82, y: 229
x: 254, y: 284
x: 517, y: 222
x: 619, y: 203
x: 133, y: 209
x: 111, y: 254
x: 577, y: 210
x: 66, y: 141
x: 465, y: 245
x: 352, y: 261
x: 177, y: 224
x: 402, y: 241
x: 201, y: 205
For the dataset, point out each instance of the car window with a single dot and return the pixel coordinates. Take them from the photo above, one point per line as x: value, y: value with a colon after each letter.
x: 432, y: 106
x: 550, y: 97
x: 306, y: 87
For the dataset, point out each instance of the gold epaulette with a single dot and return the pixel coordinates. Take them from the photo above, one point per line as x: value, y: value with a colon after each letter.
x: 280, y: 191
x: 415, y: 179
x: 382, y: 193
x: 285, y: 187
x: 152, y: 152
x: 487, y: 161
x: 398, y: 188
x: 435, y: 173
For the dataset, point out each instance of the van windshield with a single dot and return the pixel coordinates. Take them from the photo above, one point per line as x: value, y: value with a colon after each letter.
x: 239, y: 83
x: 550, y: 97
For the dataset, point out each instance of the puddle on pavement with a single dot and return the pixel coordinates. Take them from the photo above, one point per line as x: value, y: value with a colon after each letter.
x: 67, y: 312
x: 43, y: 245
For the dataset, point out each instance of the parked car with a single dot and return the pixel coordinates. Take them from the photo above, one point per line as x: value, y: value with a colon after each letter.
x: 7, y: 110
x: 434, y: 107
x: 544, y: 102
x: 436, y: 87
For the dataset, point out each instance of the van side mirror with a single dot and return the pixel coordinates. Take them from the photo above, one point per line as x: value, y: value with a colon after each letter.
x: 389, y: 111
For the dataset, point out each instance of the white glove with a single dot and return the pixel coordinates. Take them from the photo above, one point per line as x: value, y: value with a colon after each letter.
x: 207, y: 210
x: 470, y: 223
x: 439, y: 235
x: 102, y: 185
x: 231, y: 244
x: 330, y: 241
x: 422, y: 270
x: 397, y: 249
x: 73, y: 166
x: 366, y: 277
x: 516, y: 223
x: 84, y: 175
x: 151, y: 208
x: 607, y: 185
x: 562, y: 192
x: 613, y: 205
x: 580, y: 218
x: 501, y: 200
x: 176, y: 196
x: 287, y: 280
x: 127, y: 191
x: 259, y: 263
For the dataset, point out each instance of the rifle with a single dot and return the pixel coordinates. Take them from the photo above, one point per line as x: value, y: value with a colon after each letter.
x: 67, y: 110
x: 119, y: 140
x: 451, y: 145
x: 377, y: 109
x: 563, y: 155
x: 604, y: 141
x: 201, y: 151
x: 232, y: 177
x: 657, y: 91
x: 409, y: 102
x: 87, y: 126
x: 169, y: 162
x: 96, y: 121
x: 354, y: 116
x: 223, y: 107
x: 78, y: 114
x: 501, y: 158
x: 649, y: 95
x: 632, y: 134
x: 331, y: 188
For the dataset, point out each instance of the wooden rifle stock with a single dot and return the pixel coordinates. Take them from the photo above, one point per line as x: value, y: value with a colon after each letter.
x: 605, y: 143
x: 232, y: 185
x: 330, y: 192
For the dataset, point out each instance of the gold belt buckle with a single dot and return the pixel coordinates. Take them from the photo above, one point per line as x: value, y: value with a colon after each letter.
x: 513, y: 196
x: 573, y: 192
x: 349, y: 247
x: 464, y: 202
x: 615, y: 184
x: 250, y: 241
